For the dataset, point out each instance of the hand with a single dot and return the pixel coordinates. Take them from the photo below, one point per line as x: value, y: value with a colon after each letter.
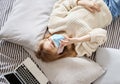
x: 65, y: 42
x: 90, y: 5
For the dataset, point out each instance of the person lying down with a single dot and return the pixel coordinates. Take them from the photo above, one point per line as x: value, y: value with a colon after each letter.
x: 75, y: 28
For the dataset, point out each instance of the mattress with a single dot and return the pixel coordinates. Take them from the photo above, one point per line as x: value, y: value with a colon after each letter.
x: 11, y: 55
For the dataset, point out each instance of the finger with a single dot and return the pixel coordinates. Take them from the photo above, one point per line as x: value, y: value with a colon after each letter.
x: 61, y: 43
x: 61, y: 46
x: 96, y: 7
x: 64, y: 41
x: 90, y: 9
x: 66, y: 37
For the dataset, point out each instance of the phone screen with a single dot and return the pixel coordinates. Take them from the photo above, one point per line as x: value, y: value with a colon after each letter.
x: 11, y: 77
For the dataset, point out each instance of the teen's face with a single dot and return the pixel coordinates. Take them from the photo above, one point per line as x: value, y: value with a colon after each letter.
x: 49, y: 45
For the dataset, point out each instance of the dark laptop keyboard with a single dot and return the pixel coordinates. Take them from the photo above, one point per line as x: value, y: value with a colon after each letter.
x: 26, y: 75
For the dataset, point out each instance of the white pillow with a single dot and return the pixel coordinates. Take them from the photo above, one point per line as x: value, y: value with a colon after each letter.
x: 27, y: 22
x: 109, y: 59
x: 70, y: 70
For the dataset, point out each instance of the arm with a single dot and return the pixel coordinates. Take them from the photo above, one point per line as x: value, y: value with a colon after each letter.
x: 80, y: 39
x: 97, y: 36
x: 68, y: 41
x: 62, y: 7
x: 89, y: 5
x: 90, y: 42
x: 58, y: 18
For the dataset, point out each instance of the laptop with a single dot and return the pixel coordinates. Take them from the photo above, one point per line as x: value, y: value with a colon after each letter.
x: 26, y: 73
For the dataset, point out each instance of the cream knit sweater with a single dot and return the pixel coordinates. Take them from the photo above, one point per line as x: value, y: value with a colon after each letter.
x: 77, y: 21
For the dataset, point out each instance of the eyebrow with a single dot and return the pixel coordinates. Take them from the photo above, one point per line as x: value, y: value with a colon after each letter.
x: 52, y: 42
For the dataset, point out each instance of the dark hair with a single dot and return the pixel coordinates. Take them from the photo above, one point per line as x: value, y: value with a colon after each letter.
x: 47, y: 56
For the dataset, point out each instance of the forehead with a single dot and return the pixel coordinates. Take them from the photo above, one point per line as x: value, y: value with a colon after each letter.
x: 46, y: 44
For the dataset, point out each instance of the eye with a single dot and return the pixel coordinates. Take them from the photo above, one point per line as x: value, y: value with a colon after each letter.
x: 51, y: 42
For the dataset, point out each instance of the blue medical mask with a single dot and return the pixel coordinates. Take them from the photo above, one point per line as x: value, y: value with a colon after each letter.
x: 56, y: 38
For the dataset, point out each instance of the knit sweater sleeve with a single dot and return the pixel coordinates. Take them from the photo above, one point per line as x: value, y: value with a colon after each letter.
x: 98, y: 37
